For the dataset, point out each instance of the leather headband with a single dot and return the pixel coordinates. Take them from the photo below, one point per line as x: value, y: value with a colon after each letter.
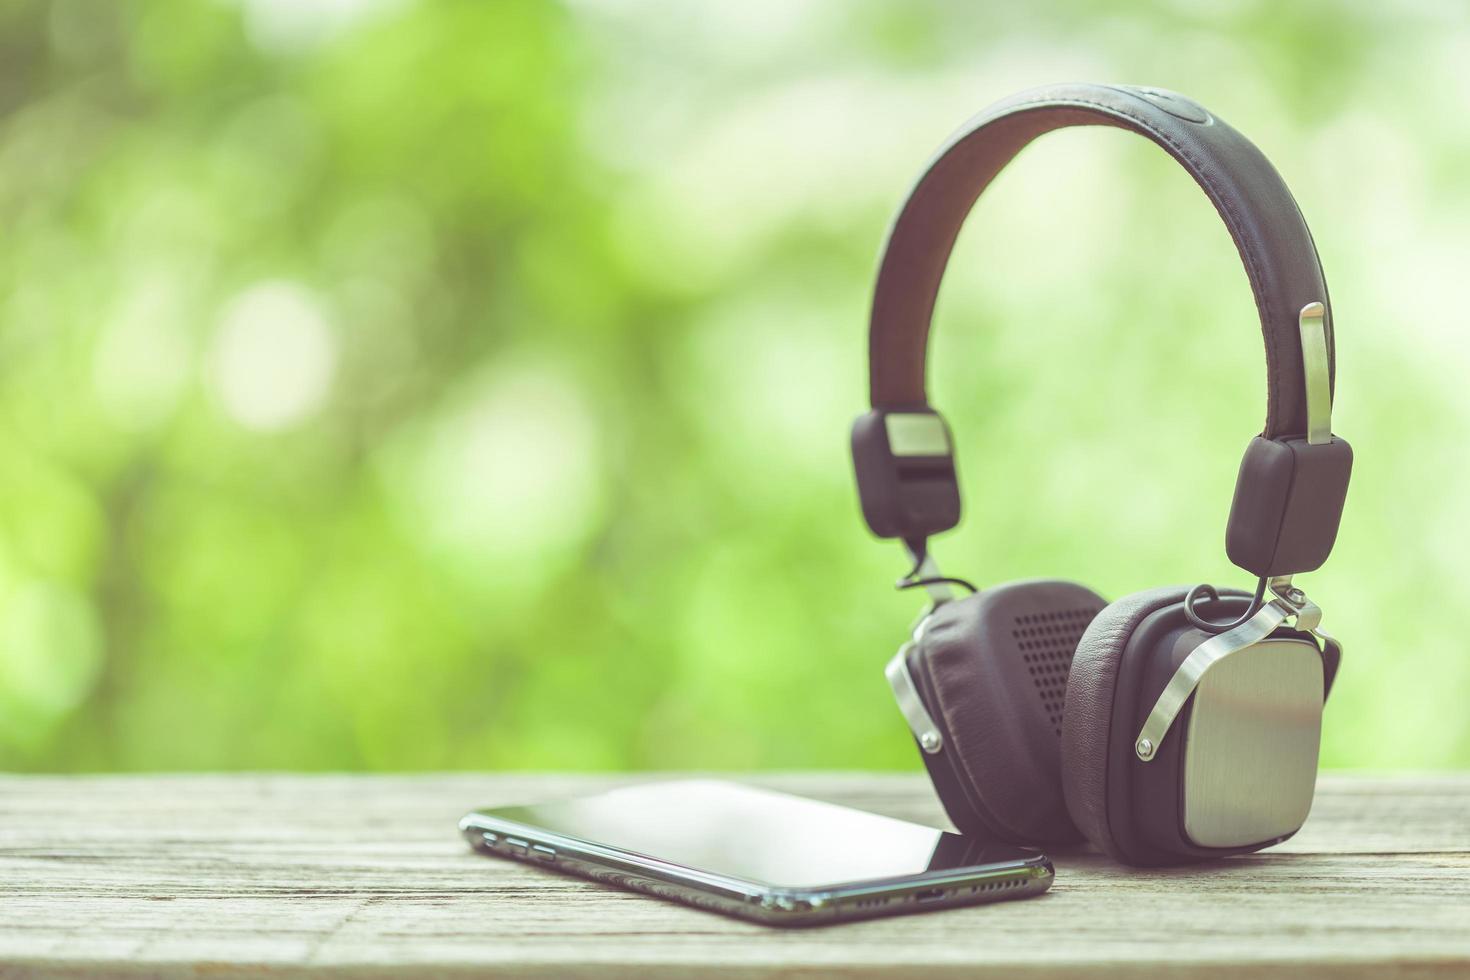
x: 1269, y: 231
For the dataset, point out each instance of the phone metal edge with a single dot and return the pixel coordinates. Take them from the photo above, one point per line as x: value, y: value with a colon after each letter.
x: 754, y: 901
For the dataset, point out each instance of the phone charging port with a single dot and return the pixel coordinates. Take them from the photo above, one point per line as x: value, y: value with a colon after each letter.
x: 929, y: 895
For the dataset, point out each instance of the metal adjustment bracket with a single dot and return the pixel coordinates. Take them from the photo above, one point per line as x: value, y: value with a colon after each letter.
x: 939, y: 591
x: 910, y: 705
x: 1308, y: 614
x: 1287, y: 603
x: 1312, y: 325
x: 916, y: 434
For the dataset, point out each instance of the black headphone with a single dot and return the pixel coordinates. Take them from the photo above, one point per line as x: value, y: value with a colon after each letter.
x: 1176, y: 724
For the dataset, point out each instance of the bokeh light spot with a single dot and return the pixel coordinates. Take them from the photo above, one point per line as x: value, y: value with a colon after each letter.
x: 274, y: 356
x: 142, y: 359
x: 50, y: 652
x: 285, y: 26
x: 509, y: 471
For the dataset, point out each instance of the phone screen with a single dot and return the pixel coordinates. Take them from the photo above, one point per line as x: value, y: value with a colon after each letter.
x: 757, y: 835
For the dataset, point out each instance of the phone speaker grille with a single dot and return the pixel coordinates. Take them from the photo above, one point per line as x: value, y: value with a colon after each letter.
x: 878, y: 901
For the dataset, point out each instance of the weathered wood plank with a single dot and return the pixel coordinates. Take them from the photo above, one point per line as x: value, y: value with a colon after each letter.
x: 365, y: 875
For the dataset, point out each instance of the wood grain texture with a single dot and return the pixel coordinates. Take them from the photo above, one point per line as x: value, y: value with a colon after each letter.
x: 366, y: 876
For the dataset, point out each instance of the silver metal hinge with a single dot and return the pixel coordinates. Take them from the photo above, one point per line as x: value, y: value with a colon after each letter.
x: 1287, y: 603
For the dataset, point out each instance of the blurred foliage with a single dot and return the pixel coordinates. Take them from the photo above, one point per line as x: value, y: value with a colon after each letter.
x: 455, y: 384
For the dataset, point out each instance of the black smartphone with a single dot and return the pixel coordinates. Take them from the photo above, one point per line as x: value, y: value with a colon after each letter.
x: 758, y: 854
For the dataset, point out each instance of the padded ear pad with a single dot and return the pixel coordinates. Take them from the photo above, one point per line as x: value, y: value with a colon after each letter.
x: 1087, y: 723
x: 992, y: 669
x: 1088, y: 717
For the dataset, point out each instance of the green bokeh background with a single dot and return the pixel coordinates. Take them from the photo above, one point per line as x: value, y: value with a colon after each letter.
x: 393, y: 385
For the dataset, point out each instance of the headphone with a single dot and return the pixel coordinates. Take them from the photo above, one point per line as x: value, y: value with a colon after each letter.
x: 1176, y: 724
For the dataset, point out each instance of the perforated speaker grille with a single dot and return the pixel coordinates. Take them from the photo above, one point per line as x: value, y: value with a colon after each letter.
x: 1048, y: 640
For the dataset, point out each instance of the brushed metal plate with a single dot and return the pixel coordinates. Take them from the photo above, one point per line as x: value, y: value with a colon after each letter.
x: 1250, y: 755
x: 916, y: 434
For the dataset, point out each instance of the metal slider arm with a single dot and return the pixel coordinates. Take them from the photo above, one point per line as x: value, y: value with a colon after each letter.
x: 1312, y: 325
x: 926, y: 569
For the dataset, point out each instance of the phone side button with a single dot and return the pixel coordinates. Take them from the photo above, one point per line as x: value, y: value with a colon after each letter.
x: 543, y: 852
x: 489, y: 838
x: 518, y: 845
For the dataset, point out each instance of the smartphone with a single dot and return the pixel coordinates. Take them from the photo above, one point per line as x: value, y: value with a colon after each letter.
x: 758, y: 854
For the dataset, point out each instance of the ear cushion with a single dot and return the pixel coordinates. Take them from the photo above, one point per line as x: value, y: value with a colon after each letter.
x: 1088, y: 718
x: 995, y: 666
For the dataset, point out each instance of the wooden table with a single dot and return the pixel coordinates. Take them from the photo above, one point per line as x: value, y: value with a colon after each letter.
x: 366, y: 876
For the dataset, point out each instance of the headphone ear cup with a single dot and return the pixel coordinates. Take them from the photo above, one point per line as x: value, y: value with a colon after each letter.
x: 1101, y: 781
x: 991, y: 669
x: 1088, y: 768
